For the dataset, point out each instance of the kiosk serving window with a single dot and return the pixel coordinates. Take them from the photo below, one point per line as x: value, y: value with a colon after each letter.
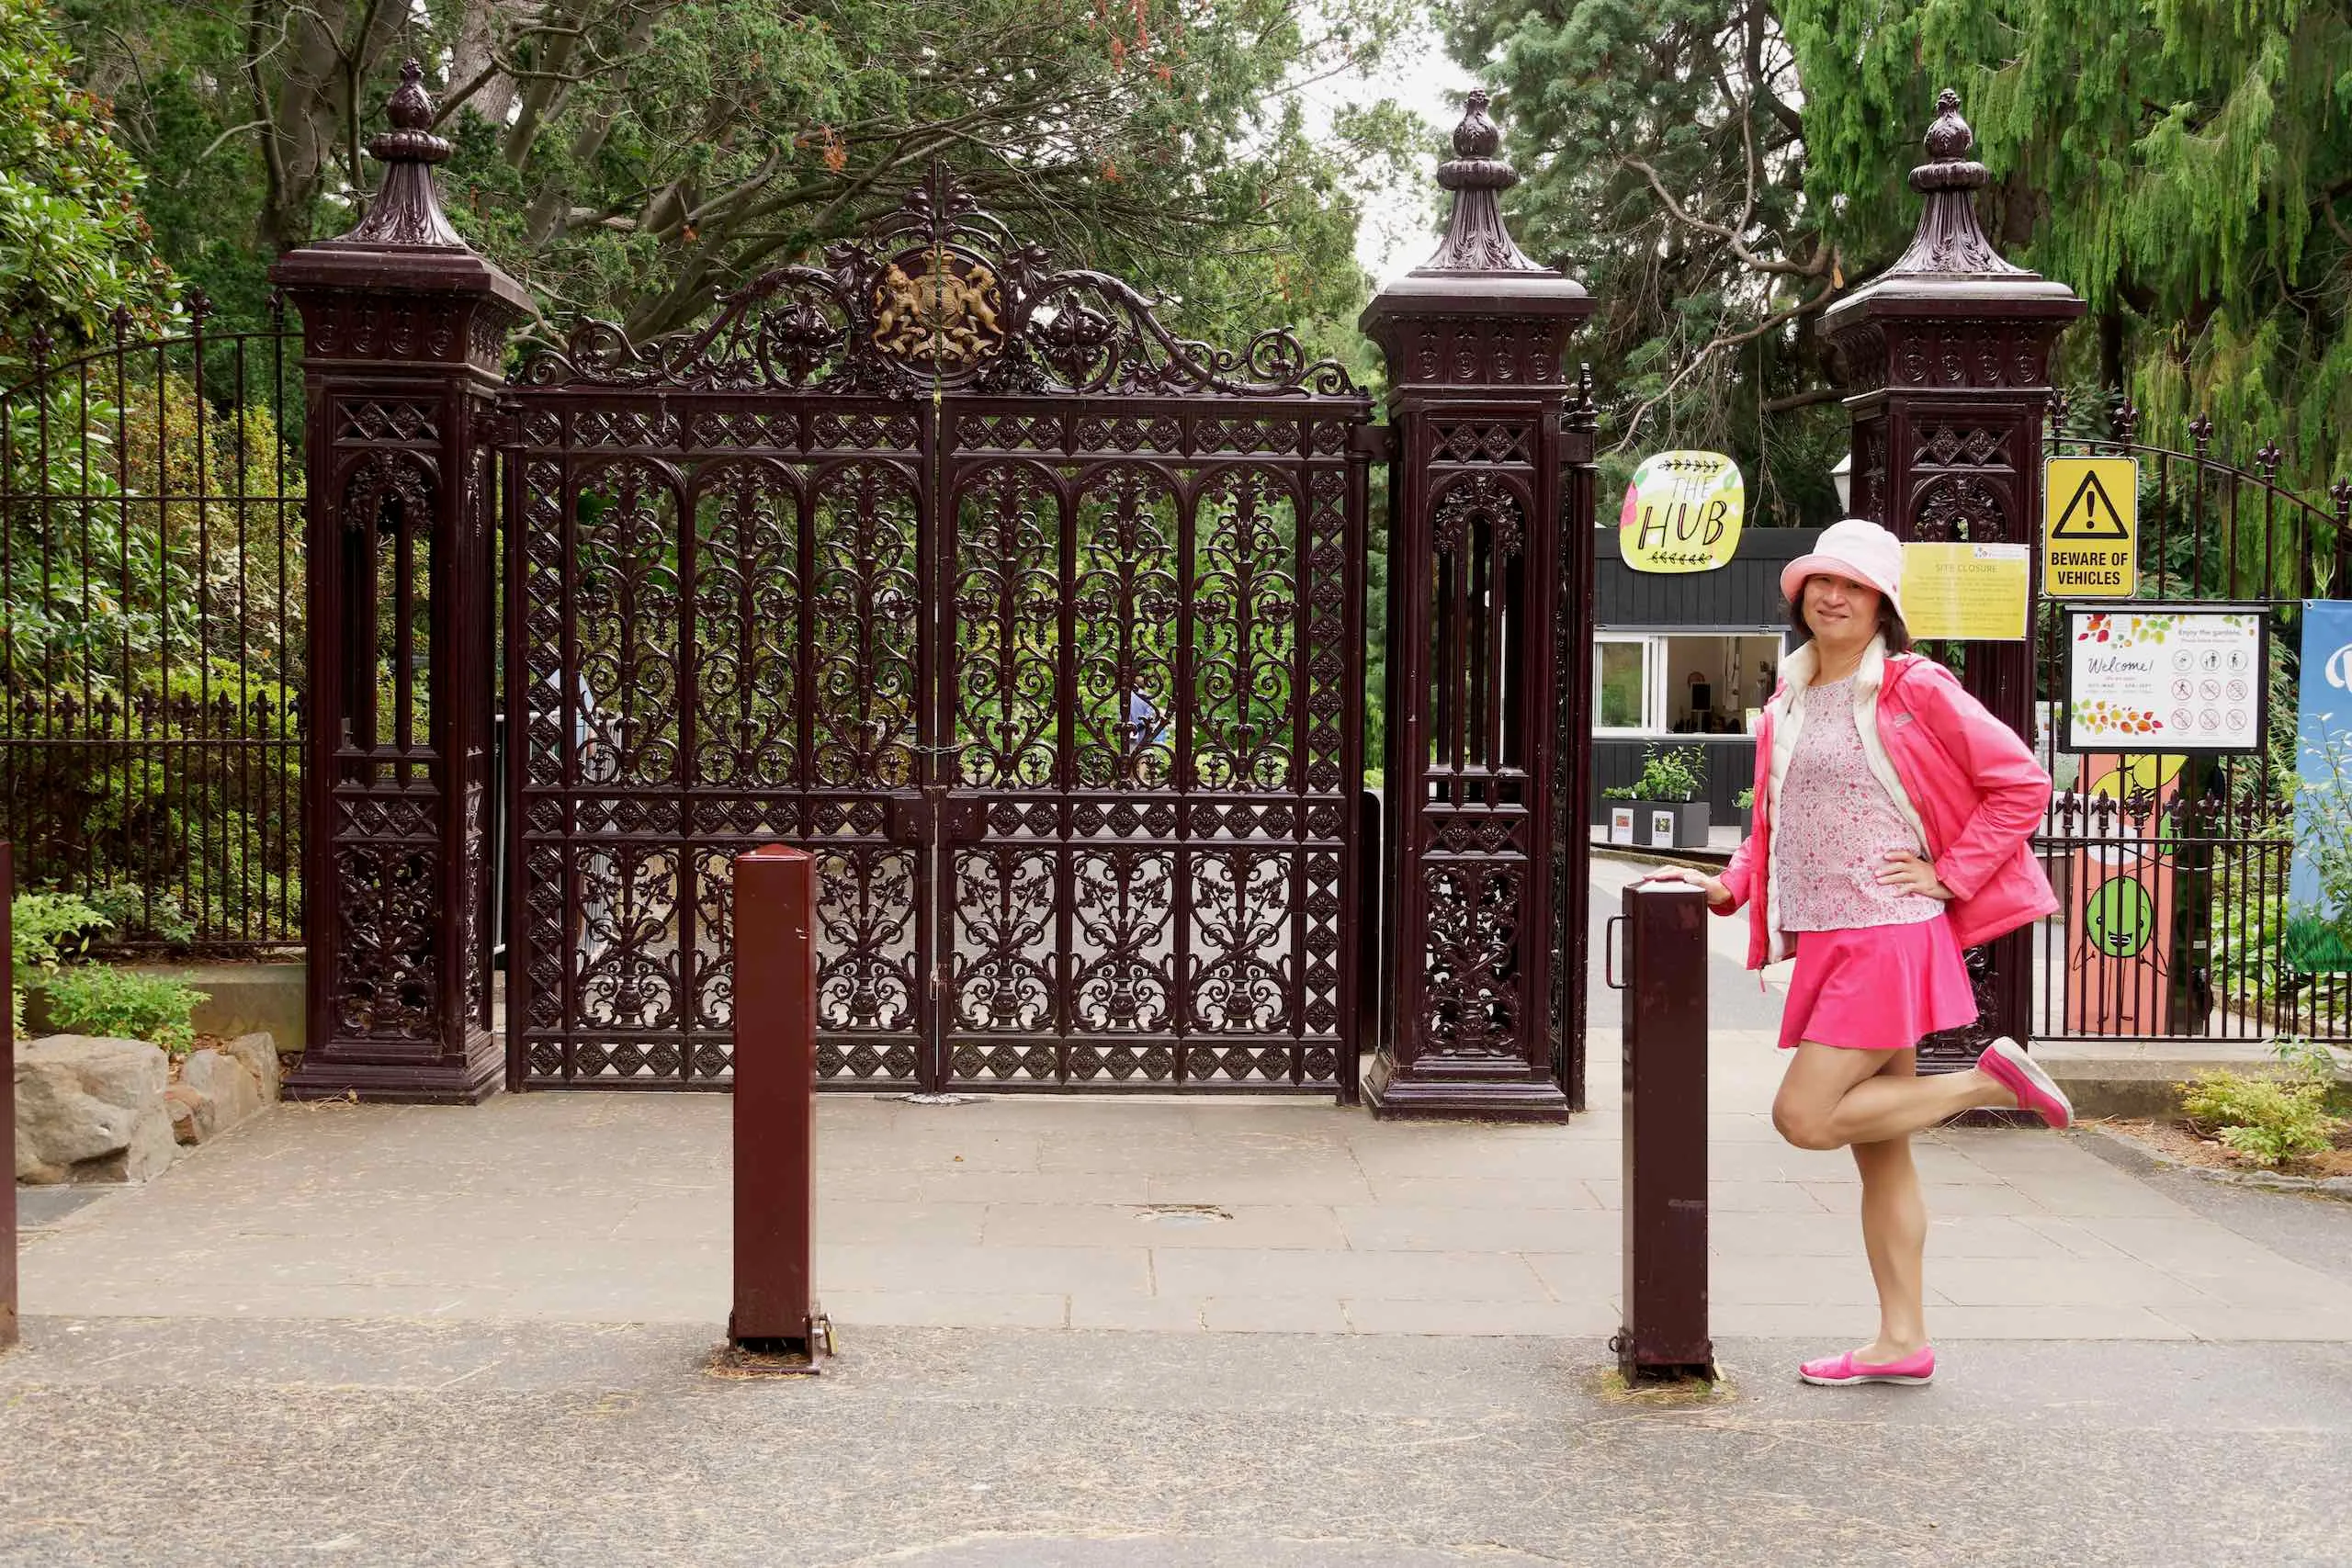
x: 1703, y: 684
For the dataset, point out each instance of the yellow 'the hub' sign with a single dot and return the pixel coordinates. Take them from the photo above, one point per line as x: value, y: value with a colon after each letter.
x: 2090, y: 528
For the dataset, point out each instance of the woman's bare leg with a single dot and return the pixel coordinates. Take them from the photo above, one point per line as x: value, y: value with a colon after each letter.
x: 1895, y: 1232
x: 1831, y: 1096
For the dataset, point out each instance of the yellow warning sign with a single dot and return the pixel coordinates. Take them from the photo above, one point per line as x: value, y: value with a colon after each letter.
x: 2090, y: 531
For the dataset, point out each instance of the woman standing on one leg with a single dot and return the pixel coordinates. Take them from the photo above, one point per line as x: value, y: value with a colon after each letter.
x: 1891, y: 820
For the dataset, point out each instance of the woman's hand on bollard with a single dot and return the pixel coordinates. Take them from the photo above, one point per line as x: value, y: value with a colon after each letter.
x: 1712, y: 886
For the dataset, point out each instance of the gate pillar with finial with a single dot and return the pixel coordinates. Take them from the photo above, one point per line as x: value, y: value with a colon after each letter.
x: 404, y: 331
x: 1945, y: 357
x: 1488, y: 671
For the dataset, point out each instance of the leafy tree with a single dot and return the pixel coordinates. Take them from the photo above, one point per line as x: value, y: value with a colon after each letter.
x: 2186, y: 168
x: 1662, y: 143
x: 73, y: 245
x: 627, y: 158
x: 1719, y: 176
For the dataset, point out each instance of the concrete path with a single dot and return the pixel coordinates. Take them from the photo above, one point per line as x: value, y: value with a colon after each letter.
x: 192, y: 1443
x: 1186, y: 1216
x: 1243, y: 1217
x: 1267, y: 1334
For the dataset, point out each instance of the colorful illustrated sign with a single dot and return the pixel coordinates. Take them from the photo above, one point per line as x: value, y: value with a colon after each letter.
x: 2178, y: 679
x: 2120, y: 917
x: 1975, y: 592
x: 2319, y: 881
x: 2090, y: 528
x: 1682, y: 513
x: 2118, y: 934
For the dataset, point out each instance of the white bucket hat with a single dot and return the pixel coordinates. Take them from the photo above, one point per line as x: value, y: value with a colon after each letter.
x: 1853, y: 548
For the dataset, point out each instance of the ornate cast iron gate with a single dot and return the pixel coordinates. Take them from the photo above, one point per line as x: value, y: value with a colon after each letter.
x: 1041, y: 626
x: 1038, y: 624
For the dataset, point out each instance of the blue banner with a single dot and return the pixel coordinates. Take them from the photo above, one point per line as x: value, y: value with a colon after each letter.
x: 2318, y: 886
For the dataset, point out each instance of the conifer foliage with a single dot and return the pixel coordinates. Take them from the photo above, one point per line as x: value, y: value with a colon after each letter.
x: 1720, y: 175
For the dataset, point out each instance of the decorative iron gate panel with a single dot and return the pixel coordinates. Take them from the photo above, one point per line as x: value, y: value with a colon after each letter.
x: 1040, y: 625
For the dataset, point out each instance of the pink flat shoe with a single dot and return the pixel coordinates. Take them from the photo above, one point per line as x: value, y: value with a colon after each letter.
x: 1843, y: 1371
x: 2006, y: 1061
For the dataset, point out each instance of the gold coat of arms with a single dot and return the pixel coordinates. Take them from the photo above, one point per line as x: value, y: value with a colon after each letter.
x: 939, y: 307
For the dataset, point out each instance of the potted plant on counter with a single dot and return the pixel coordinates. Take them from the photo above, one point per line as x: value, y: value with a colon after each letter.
x: 1667, y: 810
x: 1745, y: 804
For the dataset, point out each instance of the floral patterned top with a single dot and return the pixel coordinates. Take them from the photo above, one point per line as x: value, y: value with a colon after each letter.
x: 1833, y: 827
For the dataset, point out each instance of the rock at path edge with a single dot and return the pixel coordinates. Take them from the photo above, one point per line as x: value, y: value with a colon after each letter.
x: 92, y: 1108
x: 258, y: 1051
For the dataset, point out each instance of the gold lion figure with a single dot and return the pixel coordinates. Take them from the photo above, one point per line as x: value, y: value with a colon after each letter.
x: 937, y: 312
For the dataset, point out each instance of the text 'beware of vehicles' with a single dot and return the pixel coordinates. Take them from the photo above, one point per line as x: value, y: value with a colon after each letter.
x: 2090, y: 529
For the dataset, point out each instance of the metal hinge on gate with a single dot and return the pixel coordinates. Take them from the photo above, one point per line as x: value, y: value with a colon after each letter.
x: 1371, y: 440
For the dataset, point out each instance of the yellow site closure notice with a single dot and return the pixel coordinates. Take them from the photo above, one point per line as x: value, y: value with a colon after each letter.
x: 2090, y: 528
x: 1975, y: 592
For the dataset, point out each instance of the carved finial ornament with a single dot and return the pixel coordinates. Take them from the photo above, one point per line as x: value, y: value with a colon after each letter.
x: 1476, y: 270
x: 1948, y: 240
x: 1476, y: 237
x: 406, y: 210
x: 1949, y: 138
x: 1477, y: 136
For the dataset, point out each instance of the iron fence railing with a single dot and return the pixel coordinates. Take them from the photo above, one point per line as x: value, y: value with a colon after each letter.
x: 2197, y: 950
x: 152, y: 633
x: 152, y: 674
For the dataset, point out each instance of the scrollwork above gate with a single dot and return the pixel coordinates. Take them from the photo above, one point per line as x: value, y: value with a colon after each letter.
x: 940, y: 293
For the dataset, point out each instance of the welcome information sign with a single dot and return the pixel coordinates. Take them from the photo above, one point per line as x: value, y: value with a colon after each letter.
x: 2319, y: 883
x: 2165, y: 680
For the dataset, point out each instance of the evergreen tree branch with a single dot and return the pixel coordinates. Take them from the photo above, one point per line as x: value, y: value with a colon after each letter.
x: 1714, y: 346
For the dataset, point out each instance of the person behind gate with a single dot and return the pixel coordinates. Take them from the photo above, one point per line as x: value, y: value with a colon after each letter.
x: 1890, y: 831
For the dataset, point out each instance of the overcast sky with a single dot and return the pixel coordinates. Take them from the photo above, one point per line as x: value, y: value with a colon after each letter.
x: 1396, y: 234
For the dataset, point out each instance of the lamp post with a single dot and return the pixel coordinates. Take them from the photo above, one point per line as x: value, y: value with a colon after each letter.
x: 1842, y: 476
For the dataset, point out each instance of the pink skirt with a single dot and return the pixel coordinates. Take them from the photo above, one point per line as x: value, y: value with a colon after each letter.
x: 1877, y: 987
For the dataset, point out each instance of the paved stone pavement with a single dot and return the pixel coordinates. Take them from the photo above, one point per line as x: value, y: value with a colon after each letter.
x: 196, y: 1442
x: 1145, y: 1333
x: 1252, y: 1217
x: 1255, y: 1216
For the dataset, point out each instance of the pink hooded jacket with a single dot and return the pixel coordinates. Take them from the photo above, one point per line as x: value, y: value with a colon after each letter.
x: 1970, y: 788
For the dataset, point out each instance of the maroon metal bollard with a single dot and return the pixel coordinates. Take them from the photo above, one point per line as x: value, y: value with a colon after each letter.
x: 776, y: 1310
x: 9, y: 1107
x: 1665, y: 1334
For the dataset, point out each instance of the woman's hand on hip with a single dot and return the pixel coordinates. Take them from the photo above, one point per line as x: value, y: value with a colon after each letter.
x: 1906, y: 872
x: 1712, y: 886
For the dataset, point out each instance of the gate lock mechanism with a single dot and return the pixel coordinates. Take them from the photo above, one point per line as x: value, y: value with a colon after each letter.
x: 932, y: 818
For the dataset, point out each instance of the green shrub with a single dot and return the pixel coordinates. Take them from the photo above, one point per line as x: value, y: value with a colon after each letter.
x: 130, y: 907
x: 44, y: 927
x: 91, y: 998
x: 1745, y: 799
x: 2267, y: 1120
x: 1670, y: 772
